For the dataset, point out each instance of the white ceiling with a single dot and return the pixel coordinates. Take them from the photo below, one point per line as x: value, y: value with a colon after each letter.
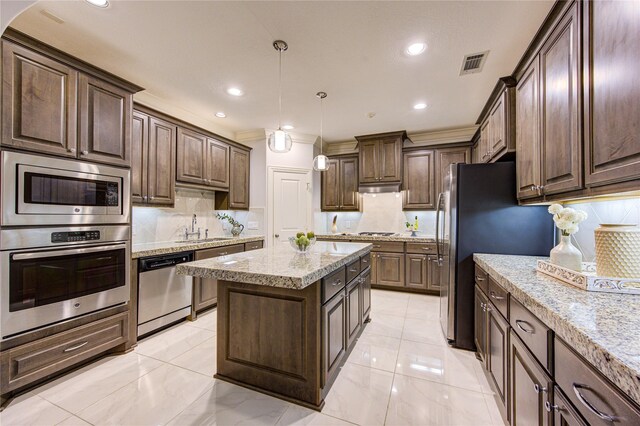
x: 187, y: 53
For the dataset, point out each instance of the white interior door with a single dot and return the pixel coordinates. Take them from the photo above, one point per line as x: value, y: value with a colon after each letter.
x: 291, y: 203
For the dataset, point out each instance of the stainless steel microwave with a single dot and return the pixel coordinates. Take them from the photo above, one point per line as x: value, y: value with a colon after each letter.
x: 39, y: 190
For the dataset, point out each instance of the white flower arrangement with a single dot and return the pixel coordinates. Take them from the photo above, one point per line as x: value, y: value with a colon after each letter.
x: 566, y: 218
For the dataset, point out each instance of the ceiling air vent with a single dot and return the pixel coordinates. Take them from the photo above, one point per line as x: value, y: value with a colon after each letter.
x: 473, y: 63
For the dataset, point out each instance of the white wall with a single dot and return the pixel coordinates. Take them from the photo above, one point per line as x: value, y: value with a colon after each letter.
x: 618, y: 211
x: 380, y: 212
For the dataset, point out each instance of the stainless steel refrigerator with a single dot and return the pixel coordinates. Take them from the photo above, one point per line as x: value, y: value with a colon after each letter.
x: 478, y: 213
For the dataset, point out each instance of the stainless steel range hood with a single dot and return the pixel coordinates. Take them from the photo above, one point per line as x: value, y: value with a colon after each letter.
x: 379, y: 188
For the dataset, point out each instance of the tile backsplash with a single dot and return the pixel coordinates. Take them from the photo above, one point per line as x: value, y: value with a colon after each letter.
x: 152, y: 224
x: 380, y: 212
x: 608, y: 211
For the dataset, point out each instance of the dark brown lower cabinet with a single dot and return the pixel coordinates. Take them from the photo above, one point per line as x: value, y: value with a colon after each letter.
x: 498, y: 357
x: 563, y: 412
x: 334, y: 338
x: 531, y: 387
x: 480, y: 325
x: 436, y: 271
x: 390, y: 269
x: 354, y: 319
x: 416, y: 271
x: 365, y: 294
x: 205, y: 291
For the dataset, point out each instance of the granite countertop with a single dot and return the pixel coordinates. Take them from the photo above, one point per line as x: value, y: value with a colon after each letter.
x: 602, y: 327
x: 421, y: 238
x: 154, y: 249
x: 277, y: 266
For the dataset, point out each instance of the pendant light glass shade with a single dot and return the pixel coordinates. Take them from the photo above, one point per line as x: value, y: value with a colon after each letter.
x: 280, y: 141
x: 321, y: 162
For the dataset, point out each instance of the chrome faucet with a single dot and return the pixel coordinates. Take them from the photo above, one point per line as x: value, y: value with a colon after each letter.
x: 194, y: 221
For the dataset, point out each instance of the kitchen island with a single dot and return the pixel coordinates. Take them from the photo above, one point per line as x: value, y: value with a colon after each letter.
x: 287, y: 321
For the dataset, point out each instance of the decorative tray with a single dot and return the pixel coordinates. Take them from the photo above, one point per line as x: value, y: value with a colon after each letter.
x: 588, y: 280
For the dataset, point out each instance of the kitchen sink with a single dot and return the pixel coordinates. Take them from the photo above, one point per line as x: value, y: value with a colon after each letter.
x: 204, y: 240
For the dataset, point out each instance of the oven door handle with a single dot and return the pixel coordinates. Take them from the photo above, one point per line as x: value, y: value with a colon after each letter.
x: 69, y: 252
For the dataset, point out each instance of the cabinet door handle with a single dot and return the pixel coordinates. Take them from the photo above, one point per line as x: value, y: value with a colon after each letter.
x: 479, y: 279
x: 85, y: 152
x: 495, y: 296
x: 76, y: 347
x: 336, y: 282
x: 537, y: 388
x: 377, y: 246
x: 72, y: 150
x: 152, y: 198
x: 144, y: 197
x: 531, y: 330
x: 604, y: 416
x: 550, y: 407
x: 353, y: 270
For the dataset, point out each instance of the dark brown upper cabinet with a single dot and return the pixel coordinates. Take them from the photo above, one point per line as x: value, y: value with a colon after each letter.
x: 54, y: 104
x: 611, y: 70
x: 528, y: 162
x: 445, y: 157
x: 380, y: 158
x: 339, y: 185
x: 153, y: 151
x: 105, y: 122
x: 37, y: 87
x: 237, y: 198
x: 202, y: 160
x: 560, y: 103
x: 419, y: 180
x: 497, y: 124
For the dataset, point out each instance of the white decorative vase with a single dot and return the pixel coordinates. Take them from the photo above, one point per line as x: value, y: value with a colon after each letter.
x: 566, y: 254
x: 618, y: 251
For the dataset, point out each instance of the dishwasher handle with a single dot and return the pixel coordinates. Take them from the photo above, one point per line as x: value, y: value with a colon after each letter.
x: 166, y: 261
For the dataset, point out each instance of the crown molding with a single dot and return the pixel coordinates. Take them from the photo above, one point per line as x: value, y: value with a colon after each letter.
x: 263, y: 134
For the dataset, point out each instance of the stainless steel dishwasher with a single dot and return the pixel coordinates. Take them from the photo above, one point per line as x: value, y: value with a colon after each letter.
x: 163, y: 296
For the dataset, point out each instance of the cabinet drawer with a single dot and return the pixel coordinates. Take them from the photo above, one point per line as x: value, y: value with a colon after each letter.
x: 592, y: 395
x: 482, y: 279
x: 537, y: 336
x: 333, y: 283
x: 353, y: 270
x: 36, y: 360
x: 388, y: 246
x: 219, y: 251
x: 499, y: 297
x: 254, y: 245
x: 421, y: 248
x: 365, y: 261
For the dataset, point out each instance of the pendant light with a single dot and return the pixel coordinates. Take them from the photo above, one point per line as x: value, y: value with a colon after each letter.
x: 321, y: 162
x: 280, y: 141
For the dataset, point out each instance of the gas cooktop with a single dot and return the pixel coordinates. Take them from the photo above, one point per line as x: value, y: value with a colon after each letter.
x: 377, y: 234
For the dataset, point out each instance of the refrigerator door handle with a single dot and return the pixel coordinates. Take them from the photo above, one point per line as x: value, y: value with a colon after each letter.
x: 438, y: 205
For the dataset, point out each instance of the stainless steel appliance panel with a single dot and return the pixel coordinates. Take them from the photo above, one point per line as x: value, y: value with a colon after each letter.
x: 38, y: 190
x: 43, y: 282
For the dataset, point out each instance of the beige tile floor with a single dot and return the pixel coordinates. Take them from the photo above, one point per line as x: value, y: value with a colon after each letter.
x: 400, y: 372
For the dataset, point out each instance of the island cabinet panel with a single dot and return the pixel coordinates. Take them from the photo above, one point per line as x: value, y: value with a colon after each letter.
x: 530, y: 387
x: 611, y: 68
x: 564, y: 413
x: 480, y: 323
x: 104, y: 122
x: 353, y: 314
x: 365, y: 294
x: 560, y: 102
x: 191, y: 157
x: 498, y: 357
x: 528, y: 132
x: 270, y: 338
x: 535, y: 335
x: 595, y: 398
x: 39, y: 109
x: 419, y: 180
x: 334, y: 336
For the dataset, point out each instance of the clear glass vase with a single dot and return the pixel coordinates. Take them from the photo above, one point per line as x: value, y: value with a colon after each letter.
x: 566, y: 254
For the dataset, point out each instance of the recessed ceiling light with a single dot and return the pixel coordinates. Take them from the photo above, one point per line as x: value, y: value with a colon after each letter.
x: 221, y: 114
x: 99, y: 3
x: 234, y: 91
x: 287, y: 127
x: 416, y: 49
x: 420, y: 106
